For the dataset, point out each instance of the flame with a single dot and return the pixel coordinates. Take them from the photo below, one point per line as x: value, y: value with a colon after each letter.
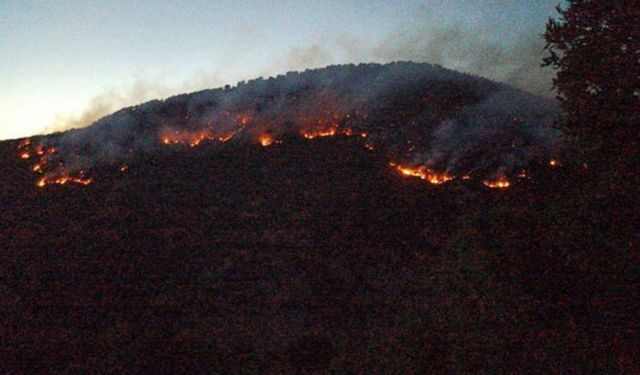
x: 500, y: 183
x: 63, y: 180
x: 191, y: 139
x: 195, y: 138
x: 311, y: 134
x: 265, y: 140
x: 226, y: 137
x: 423, y: 173
x: 554, y: 163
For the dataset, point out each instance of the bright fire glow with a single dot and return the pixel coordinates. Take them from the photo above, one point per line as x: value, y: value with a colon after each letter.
x: 423, y: 173
x: 191, y: 139
x: 63, y: 180
x: 265, y: 140
x: 311, y: 134
x: 499, y: 183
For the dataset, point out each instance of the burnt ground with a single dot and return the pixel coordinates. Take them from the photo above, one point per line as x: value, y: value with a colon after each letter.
x: 312, y: 257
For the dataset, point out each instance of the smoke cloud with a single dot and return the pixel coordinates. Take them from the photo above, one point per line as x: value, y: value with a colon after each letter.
x: 458, y: 47
x: 139, y: 91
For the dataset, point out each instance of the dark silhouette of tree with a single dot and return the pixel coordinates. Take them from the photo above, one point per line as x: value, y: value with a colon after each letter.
x: 595, y: 46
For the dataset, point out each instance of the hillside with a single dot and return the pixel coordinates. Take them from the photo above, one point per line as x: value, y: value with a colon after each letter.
x: 307, y: 254
x: 417, y: 114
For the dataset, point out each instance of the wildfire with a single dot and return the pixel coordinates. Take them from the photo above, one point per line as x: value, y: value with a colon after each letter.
x: 500, y: 183
x: 265, y: 140
x: 554, y: 163
x: 311, y: 134
x: 330, y: 132
x: 63, y: 180
x: 191, y: 139
x: 423, y: 173
x: 226, y: 137
x: 370, y: 146
x: 28, y: 150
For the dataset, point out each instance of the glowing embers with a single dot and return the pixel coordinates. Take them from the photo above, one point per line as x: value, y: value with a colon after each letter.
x: 330, y: 132
x: 197, y: 137
x: 500, y: 183
x: 311, y: 134
x: 191, y: 139
x: 266, y: 140
x: 423, y: 173
x: 44, y: 155
x: 64, y: 180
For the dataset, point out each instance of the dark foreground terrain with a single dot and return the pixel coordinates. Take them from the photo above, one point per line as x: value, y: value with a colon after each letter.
x: 312, y: 256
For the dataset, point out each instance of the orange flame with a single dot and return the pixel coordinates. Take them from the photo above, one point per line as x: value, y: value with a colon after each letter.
x: 423, y: 173
x: 311, y: 134
x: 500, y: 183
x: 191, y: 139
x: 63, y: 180
x: 265, y: 140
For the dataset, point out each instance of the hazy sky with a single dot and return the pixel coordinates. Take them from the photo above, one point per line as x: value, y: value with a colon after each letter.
x: 64, y: 63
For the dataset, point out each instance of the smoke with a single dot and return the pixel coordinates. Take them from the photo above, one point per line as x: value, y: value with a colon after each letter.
x: 458, y: 47
x: 414, y: 113
x: 472, y: 51
x: 127, y: 95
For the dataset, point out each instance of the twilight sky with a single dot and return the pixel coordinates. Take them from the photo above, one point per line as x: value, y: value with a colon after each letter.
x: 66, y: 63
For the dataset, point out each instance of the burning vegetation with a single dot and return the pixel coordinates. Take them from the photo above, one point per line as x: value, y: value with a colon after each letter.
x: 499, y: 183
x: 423, y: 173
x: 45, y: 158
x: 61, y: 175
x: 431, y: 123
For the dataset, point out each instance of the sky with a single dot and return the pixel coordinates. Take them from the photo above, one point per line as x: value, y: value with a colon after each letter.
x: 65, y: 64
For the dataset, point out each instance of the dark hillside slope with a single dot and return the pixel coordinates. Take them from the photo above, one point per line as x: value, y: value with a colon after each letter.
x: 304, y: 256
x: 419, y: 114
